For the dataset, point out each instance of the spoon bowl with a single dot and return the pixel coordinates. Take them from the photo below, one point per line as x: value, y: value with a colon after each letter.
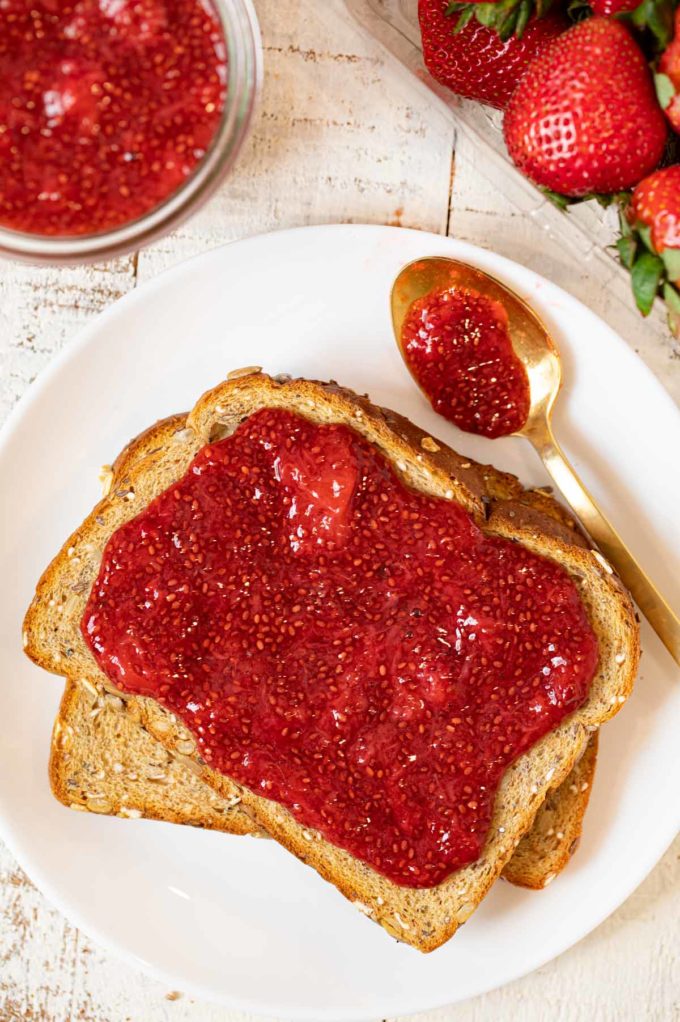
x: 530, y: 338
x: 536, y: 350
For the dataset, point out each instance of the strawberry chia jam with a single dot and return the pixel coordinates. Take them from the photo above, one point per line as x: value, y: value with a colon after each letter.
x: 106, y: 108
x: 340, y: 643
x: 457, y: 345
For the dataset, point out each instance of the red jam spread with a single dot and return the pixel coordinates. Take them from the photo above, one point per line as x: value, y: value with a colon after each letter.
x: 106, y: 107
x: 338, y: 642
x: 457, y: 345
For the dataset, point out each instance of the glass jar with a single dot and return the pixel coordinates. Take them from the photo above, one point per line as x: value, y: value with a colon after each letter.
x: 244, y: 73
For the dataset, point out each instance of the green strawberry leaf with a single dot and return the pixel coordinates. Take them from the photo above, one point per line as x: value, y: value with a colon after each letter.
x: 524, y: 14
x: 660, y: 24
x: 506, y: 17
x: 621, y: 198
x: 671, y: 296
x: 507, y: 26
x: 665, y: 90
x: 672, y: 152
x: 603, y: 200
x: 671, y: 260
x: 646, y: 276
x: 578, y: 10
x: 646, y: 235
x: 561, y: 201
x: 484, y: 14
x: 656, y: 16
x: 464, y: 19
x: 627, y: 247
x: 625, y: 225
x: 501, y: 16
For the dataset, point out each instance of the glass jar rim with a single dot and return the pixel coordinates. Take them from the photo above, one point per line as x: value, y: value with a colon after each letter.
x: 244, y: 76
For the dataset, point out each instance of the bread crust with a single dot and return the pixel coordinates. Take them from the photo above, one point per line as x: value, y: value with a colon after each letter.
x: 424, y: 918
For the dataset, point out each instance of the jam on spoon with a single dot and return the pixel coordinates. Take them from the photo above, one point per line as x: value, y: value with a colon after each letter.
x: 106, y: 108
x: 457, y: 345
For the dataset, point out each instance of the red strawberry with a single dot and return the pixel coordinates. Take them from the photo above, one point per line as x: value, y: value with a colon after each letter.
x: 475, y: 62
x: 655, y: 205
x: 668, y: 78
x: 650, y: 242
x: 608, y: 8
x: 584, y: 119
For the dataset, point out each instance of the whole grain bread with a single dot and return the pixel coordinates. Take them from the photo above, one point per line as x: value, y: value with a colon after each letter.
x: 547, y: 848
x: 427, y: 917
x: 102, y: 761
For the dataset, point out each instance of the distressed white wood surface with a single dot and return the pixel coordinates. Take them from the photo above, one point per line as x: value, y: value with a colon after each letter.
x: 341, y: 136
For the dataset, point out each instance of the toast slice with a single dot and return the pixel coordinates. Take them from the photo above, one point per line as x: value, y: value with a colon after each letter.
x: 101, y: 761
x: 426, y: 917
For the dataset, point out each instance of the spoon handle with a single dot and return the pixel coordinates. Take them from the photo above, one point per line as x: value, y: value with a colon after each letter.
x: 648, y: 598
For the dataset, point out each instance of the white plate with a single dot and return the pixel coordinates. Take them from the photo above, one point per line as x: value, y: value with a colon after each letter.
x: 238, y: 920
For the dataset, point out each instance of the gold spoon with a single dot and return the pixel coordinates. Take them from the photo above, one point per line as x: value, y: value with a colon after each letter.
x: 533, y: 345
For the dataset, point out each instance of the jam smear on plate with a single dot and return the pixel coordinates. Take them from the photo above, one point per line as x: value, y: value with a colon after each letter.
x: 457, y: 345
x: 356, y: 650
x: 106, y: 108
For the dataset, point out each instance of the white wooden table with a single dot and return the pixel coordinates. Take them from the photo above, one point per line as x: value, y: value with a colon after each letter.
x: 342, y: 135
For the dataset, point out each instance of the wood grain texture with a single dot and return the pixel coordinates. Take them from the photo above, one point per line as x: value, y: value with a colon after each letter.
x: 41, y: 308
x: 341, y: 136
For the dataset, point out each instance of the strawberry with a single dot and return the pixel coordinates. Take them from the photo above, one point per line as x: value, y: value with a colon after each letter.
x: 650, y: 242
x: 608, y: 8
x: 668, y: 78
x: 655, y: 205
x: 475, y: 62
x: 584, y: 118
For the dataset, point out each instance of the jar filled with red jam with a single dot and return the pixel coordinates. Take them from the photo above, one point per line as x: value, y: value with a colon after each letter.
x: 117, y: 118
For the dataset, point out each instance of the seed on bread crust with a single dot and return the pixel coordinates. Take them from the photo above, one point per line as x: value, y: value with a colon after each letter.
x: 190, y: 764
x: 237, y: 374
x: 602, y: 561
x: 365, y: 910
x: 187, y: 746
x: 105, y: 479
x: 99, y: 804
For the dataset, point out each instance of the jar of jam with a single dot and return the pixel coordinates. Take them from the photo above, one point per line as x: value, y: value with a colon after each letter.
x: 118, y: 118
